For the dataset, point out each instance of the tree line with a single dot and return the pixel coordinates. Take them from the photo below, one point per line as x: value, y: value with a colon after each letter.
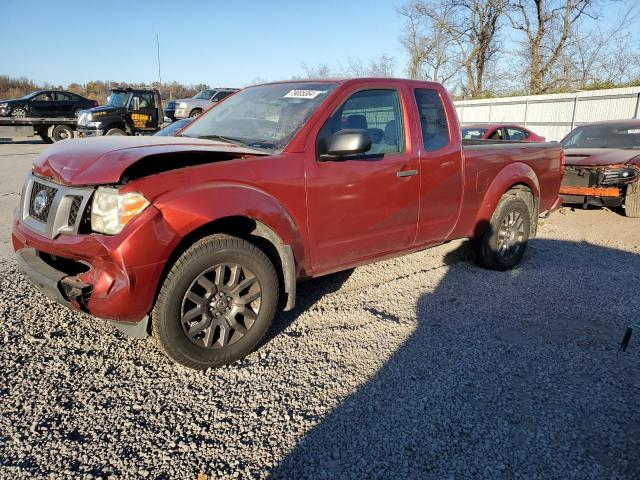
x: 94, y: 90
x: 486, y: 48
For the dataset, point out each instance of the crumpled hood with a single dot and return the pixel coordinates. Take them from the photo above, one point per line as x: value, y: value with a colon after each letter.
x: 102, y: 160
x: 593, y: 157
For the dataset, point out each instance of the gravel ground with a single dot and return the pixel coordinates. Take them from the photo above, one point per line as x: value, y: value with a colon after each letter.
x: 423, y: 366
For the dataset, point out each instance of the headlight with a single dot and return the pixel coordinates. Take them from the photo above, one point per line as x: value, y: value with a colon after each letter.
x: 3, y: 105
x: 182, y: 105
x: 84, y: 118
x: 618, y: 176
x: 112, y: 210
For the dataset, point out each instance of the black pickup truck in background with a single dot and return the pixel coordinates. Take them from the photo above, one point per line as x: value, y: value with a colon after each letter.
x: 129, y: 111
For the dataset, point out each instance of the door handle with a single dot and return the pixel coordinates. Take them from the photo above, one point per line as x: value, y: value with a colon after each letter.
x: 406, y: 173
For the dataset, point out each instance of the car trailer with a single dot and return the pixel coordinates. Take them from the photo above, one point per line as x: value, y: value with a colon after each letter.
x: 49, y: 129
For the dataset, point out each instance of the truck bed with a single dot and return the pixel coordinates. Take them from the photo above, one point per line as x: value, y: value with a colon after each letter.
x: 485, y: 159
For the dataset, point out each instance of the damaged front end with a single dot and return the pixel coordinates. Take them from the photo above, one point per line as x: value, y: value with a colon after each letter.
x: 602, y: 186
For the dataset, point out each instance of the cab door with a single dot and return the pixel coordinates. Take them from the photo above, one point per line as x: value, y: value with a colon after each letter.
x: 142, y: 112
x: 365, y: 205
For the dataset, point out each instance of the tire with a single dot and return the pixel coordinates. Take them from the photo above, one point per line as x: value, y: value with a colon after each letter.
x: 115, y: 131
x: 195, y: 113
x: 504, y: 243
x: 632, y: 200
x: 61, y: 132
x: 45, y: 138
x: 19, y: 112
x: 202, y: 280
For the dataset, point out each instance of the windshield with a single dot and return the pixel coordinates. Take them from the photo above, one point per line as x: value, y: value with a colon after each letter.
x: 118, y: 99
x: 473, y: 133
x: 28, y: 96
x: 204, y: 94
x: 603, y: 136
x: 266, y: 116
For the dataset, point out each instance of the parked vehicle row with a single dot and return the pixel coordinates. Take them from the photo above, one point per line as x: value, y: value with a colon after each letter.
x: 199, y: 238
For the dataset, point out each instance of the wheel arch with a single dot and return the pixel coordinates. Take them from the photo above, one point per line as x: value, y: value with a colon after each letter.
x: 514, y: 176
x: 254, y: 231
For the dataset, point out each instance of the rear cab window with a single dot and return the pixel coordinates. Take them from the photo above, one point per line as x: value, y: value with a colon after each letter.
x: 378, y: 112
x: 433, y: 119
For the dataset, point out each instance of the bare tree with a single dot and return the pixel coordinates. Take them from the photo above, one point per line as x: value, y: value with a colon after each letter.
x: 429, y: 41
x: 596, y: 55
x: 453, y: 36
x: 547, y: 26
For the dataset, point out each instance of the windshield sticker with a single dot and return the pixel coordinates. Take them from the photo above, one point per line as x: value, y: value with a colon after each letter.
x: 303, y: 93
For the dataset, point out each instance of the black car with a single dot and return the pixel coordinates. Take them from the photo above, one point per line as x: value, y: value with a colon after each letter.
x: 46, y: 103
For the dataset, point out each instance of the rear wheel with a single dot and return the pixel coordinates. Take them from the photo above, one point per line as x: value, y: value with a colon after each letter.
x: 195, y: 113
x: 503, y: 244
x: 115, y: 131
x: 18, y: 112
x: 61, y: 132
x: 632, y: 201
x: 216, y: 303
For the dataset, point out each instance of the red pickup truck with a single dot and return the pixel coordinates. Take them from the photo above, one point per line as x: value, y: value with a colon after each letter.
x: 198, y: 239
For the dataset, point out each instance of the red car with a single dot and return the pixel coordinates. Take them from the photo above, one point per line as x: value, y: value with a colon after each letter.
x: 515, y: 133
x: 200, y: 238
x: 603, y: 165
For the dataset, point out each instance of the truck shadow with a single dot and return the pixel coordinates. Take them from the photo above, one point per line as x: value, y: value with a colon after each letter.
x: 506, y: 373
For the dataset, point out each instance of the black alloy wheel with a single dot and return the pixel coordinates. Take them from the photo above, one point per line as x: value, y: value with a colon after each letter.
x: 221, y: 305
x: 18, y: 112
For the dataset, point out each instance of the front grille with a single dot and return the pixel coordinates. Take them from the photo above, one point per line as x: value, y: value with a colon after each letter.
x: 50, y: 208
x: 75, y: 208
x: 39, y: 206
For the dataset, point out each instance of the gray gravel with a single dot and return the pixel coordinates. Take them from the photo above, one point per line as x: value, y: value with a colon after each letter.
x: 423, y: 366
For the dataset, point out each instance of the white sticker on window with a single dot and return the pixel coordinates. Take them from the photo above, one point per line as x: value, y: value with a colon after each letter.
x: 633, y: 131
x: 303, y: 94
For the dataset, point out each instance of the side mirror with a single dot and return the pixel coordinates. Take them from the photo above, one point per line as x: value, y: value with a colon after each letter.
x: 349, y: 141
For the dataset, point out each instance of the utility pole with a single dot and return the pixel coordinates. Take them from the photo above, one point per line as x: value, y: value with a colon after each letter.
x: 158, y: 45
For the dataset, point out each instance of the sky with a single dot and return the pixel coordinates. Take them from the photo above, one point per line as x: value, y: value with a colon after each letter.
x: 221, y: 43
x: 230, y: 43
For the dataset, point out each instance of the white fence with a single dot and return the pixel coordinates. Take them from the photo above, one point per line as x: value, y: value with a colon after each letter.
x: 553, y: 116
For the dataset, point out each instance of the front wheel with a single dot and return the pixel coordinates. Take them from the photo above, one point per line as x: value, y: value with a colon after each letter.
x: 216, y: 303
x: 195, y: 113
x: 503, y: 244
x: 632, y: 200
x: 18, y: 112
x: 115, y: 131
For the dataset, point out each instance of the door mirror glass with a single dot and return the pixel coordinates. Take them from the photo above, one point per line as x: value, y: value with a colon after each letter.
x: 350, y: 141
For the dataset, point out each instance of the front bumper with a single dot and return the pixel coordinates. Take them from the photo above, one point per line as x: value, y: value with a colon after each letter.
x: 82, y: 131
x: 597, y: 185
x: 182, y: 113
x: 110, y: 277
